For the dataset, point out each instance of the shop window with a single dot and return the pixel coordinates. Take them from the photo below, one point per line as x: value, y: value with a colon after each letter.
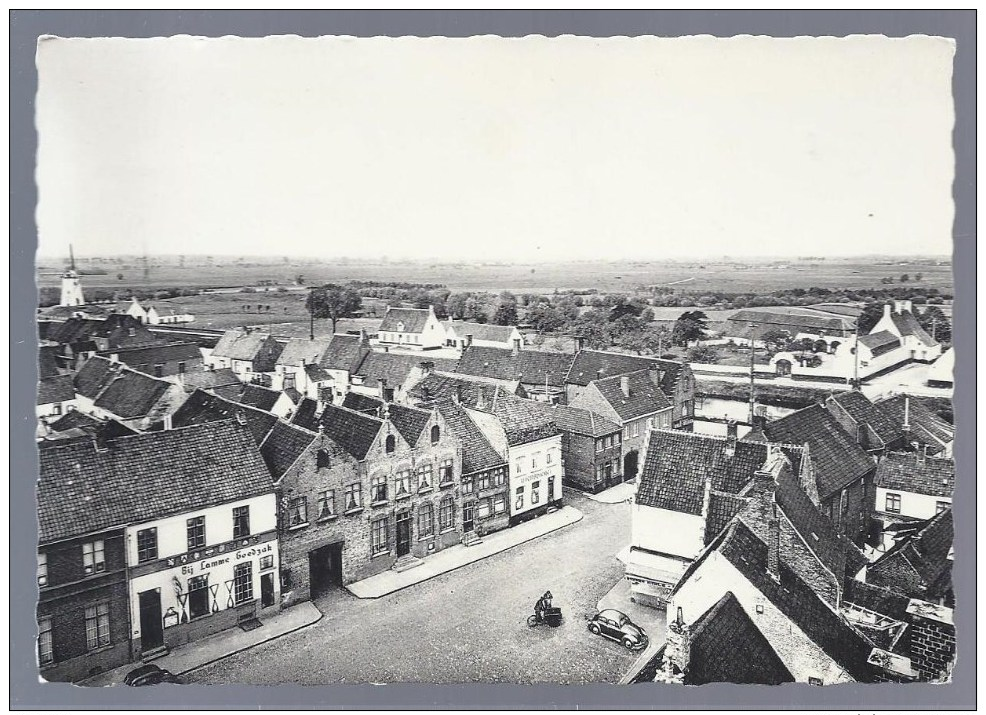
x: 243, y: 582
x: 426, y: 521
x: 535, y: 492
x: 298, y: 511
x: 42, y: 569
x: 241, y: 522
x: 97, y: 626
x: 519, y: 500
x: 146, y: 545
x: 196, y: 532
x: 379, y: 536
x: 93, y: 557
x: 198, y: 596
x: 354, y: 496
x: 46, y: 651
x: 446, y: 514
x: 326, y: 504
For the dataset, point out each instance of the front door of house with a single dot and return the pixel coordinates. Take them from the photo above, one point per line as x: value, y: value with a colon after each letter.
x: 267, y: 589
x: 151, y: 626
x: 551, y: 489
x: 404, y: 533
x: 467, y: 517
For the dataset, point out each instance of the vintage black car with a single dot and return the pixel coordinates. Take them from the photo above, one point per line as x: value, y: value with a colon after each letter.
x: 150, y: 674
x: 617, y: 626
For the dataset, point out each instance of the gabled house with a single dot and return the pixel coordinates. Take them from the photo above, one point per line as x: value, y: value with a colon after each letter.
x: 591, y: 448
x: 532, y: 444
x: 203, y: 407
x: 163, y: 360
x: 75, y: 425
x: 461, y: 334
x: 390, y: 376
x: 298, y: 353
x: 911, y: 486
x: 810, y: 637
x: 876, y: 432
x: 247, y: 352
x: 690, y: 487
x: 206, y: 379
x: 110, y: 390
x: 675, y: 379
x: 415, y: 328
x: 540, y: 373
x: 56, y: 396
x: 465, y: 388
x: 923, y: 429
x: 919, y: 565
x: 900, y: 321
x: 409, y: 490
x: 150, y: 541
x: 81, y: 338
x: 331, y: 378
x: 636, y: 403
x: 262, y: 398
x: 843, y: 471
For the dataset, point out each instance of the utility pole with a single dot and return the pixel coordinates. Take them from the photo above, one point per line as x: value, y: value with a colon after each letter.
x: 855, y: 354
x: 311, y: 312
x: 934, y: 327
x: 753, y: 397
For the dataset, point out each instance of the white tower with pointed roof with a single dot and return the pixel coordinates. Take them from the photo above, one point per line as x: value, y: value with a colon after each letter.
x: 71, y: 284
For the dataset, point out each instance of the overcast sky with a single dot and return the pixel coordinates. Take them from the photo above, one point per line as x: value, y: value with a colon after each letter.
x: 507, y: 149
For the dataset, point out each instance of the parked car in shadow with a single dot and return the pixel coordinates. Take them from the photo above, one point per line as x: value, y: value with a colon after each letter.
x: 150, y: 674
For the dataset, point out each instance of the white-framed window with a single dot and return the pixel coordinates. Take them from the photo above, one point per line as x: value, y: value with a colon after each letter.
x: 42, y: 569
x: 378, y: 489
x: 243, y: 582
x: 446, y: 471
x: 297, y: 511
x: 426, y: 521
x: 46, y: 651
x: 403, y: 484
x: 241, y: 521
x: 97, y: 625
x: 146, y: 545
x: 378, y: 536
x: 195, y: 529
x: 93, y: 557
x: 425, y: 476
x: 326, y: 504
x: 893, y: 503
x: 354, y: 496
x: 483, y: 508
x: 499, y: 503
x: 446, y: 514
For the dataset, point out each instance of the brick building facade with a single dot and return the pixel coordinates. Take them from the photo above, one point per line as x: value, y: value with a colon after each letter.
x: 83, y: 628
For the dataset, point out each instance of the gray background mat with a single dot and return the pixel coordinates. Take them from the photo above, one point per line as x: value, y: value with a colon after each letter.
x: 25, y: 27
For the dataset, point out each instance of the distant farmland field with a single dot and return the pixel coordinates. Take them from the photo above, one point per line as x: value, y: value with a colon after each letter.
x: 606, y: 277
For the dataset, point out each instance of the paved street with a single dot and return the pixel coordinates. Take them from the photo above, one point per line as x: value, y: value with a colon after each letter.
x: 464, y: 626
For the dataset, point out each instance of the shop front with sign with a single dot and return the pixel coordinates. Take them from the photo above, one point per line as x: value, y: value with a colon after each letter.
x: 535, y: 478
x: 182, y: 598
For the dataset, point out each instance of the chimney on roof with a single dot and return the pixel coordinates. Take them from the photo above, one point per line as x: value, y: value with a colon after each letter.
x: 383, y: 389
x: 907, y: 414
x: 427, y: 367
x: 579, y: 343
x: 362, y: 335
x: 114, y: 357
x: 774, y: 545
x: 469, y: 340
x: 481, y: 399
x: 385, y: 411
x: 922, y: 454
x: 516, y: 348
x: 241, y: 417
x: 456, y: 393
x: 625, y: 385
x: 731, y: 431
x: 886, y: 310
x: 654, y: 372
x: 678, y: 649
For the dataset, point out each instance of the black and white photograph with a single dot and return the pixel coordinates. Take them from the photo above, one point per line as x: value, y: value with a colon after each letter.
x: 486, y: 360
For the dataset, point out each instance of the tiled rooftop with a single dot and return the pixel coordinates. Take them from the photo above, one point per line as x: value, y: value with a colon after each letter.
x: 914, y: 473
x: 530, y: 367
x: 644, y: 396
x: 283, y: 445
x: 144, y: 477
